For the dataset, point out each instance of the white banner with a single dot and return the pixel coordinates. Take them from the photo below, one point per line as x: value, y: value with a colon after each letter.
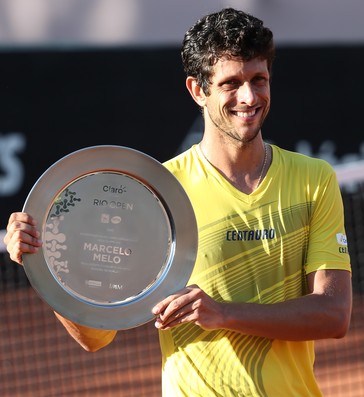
x: 164, y: 22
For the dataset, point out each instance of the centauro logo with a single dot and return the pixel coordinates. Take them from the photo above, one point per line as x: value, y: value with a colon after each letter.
x: 249, y: 235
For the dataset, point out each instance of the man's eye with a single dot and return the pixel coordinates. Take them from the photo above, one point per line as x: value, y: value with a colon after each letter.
x: 231, y: 84
x: 260, y: 80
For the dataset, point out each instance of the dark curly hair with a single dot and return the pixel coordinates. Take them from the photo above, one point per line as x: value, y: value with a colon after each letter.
x: 227, y: 33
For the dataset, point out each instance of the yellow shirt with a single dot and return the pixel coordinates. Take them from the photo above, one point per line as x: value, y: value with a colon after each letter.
x: 254, y: 248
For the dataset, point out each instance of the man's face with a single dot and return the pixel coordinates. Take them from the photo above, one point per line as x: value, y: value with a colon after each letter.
x: 239, y: 98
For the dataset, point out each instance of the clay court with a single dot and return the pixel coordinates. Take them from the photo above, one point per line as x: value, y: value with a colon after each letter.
x: 39, y: 359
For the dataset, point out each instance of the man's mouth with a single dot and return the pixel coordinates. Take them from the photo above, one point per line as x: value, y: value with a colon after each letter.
x: 251, y: 113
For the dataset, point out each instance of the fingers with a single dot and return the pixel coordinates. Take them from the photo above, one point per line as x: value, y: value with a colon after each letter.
x: 22, y: 236
x: 183, y: 315
x: 161, y: 306
x: 176, y: 308
x: 20, y: 217
x: 17, y: 249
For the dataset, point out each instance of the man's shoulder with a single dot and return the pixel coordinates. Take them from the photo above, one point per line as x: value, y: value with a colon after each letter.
x: 181, y: 160
x: 292, y: 158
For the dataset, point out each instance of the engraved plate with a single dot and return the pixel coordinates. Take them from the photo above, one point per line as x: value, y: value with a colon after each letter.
x: 119, y: 234
x: 107, y: 238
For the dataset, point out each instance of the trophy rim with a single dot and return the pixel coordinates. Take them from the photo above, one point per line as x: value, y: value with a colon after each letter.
x: 153, y: 175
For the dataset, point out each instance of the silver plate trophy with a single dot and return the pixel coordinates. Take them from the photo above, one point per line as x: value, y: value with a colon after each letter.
x: 119, y: 235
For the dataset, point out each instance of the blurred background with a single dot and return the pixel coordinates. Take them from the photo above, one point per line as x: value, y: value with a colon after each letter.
x: 78, y: 73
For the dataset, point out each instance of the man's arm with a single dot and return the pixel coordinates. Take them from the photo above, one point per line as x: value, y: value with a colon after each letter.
x: 89, y: 338
x: 23, y: 237
x: 323, y: 313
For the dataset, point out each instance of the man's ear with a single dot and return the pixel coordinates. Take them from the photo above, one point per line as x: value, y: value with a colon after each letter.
x: 196, y: 91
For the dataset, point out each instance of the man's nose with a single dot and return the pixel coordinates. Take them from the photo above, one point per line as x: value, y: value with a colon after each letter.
x: 246, y: 94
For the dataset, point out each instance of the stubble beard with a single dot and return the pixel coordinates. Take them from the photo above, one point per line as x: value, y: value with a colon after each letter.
x: 231, y: 133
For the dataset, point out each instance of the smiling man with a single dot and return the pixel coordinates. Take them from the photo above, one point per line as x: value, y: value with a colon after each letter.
x: 273, y: 272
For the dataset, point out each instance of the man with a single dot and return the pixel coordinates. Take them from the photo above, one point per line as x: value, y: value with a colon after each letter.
x: 271, y: 275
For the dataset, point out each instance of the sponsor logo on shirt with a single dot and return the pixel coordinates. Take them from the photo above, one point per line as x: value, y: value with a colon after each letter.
x: 341, y: 239
x: 249, y: 235
x: 343, y: 242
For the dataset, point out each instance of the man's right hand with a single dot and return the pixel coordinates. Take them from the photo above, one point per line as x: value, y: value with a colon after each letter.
x: 21, y: 236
